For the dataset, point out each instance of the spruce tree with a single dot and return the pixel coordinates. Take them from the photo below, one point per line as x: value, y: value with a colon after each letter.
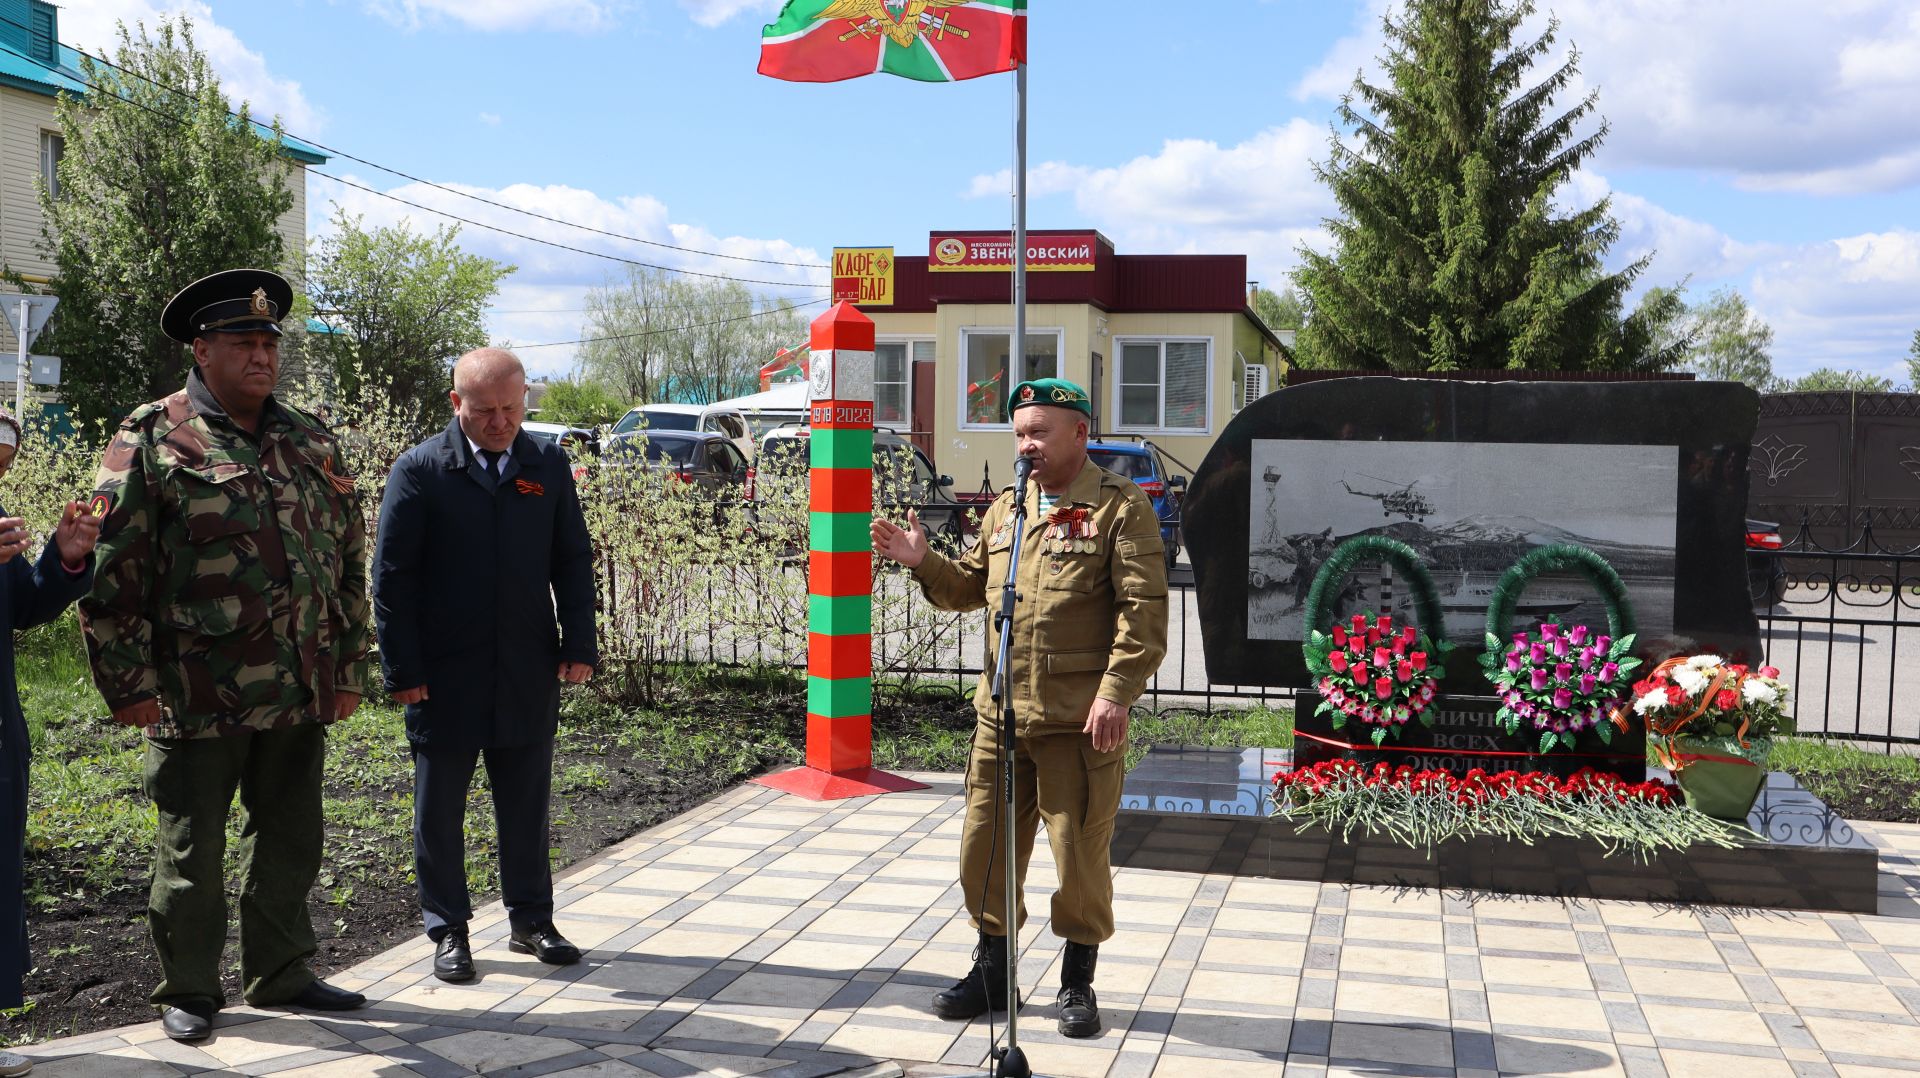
x: 1451, y: 253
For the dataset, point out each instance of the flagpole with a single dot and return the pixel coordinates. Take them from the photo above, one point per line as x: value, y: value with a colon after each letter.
x: 1013, y: 1064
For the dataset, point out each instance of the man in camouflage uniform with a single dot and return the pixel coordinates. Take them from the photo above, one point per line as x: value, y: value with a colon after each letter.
x: 1089, y: 631
x: 229, y: 620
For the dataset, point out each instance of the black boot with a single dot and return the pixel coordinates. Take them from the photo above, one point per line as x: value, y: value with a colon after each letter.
x: 985, y: 983
x: 1079, y: 1009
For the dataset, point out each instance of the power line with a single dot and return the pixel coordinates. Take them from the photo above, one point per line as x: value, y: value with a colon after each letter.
x: 671, y: 329
x: 452, y: 216
x: 551, y: 243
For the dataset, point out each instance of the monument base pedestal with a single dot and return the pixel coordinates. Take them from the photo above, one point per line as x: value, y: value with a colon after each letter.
x: 1208, y: 810
x: 816, y: 785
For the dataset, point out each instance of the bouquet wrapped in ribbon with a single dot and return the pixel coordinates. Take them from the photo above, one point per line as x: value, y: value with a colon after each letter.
x: 1712, y: 723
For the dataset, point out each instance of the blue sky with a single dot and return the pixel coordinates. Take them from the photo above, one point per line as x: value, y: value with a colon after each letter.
x: 1752, y: 144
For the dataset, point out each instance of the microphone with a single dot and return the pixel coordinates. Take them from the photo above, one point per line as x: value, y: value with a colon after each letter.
x: 1022, y: 468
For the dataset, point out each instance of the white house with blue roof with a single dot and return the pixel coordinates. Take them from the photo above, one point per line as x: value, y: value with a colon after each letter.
x: 34, y: 69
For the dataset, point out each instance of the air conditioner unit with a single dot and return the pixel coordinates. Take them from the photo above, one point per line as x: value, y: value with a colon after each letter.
x: 1255, y: 385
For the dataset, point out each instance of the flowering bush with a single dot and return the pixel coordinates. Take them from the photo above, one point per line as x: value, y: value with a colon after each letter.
x: 1420, y: 808
x: 1735, y: 710
x: 1559, y: 681
x: 1375, y: 673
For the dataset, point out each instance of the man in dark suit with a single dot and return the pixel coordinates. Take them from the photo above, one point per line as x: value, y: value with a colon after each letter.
x: 482, y: 547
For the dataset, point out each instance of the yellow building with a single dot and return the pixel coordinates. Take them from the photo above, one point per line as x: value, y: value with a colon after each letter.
x: 1166, y: 345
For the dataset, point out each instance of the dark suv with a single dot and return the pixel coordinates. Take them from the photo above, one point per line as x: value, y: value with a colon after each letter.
x: 1145, y: 464
x: 906, y: 476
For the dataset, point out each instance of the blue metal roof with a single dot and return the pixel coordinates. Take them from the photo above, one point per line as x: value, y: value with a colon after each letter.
x: 22, y: 72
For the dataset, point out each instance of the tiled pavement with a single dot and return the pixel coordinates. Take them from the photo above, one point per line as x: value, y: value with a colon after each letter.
x: 762, y: 934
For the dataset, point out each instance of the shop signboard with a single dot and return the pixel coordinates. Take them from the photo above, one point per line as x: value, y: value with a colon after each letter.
x: 863, y: 275
x: 967, y: 252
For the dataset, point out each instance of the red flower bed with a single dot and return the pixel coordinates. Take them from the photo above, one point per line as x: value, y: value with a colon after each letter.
x: 1476, y: 787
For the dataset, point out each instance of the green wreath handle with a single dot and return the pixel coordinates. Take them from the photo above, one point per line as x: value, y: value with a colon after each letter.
x: 1559, y: 558
x: 1366, y: 548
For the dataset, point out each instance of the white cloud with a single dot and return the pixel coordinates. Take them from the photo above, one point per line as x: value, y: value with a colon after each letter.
x: 1770, y: 92
x: 491, y: 119
x: 91, y: 25
x: 1852, y: 302
x: 1257, y: 197
x: 495, y: 15
x: 545, y: 295
x: 715, y: 12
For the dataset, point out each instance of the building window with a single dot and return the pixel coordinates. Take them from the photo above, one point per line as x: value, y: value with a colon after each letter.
x: 893, y: 380
x: 1163, y: 385
x: 988, y: 375
x: 52, y: 147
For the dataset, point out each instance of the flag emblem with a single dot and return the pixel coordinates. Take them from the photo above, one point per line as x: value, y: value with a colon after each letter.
x: 928, y: 40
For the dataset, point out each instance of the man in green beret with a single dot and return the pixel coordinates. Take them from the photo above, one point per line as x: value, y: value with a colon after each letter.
x: 229, y: 621
x: 1089, y: 632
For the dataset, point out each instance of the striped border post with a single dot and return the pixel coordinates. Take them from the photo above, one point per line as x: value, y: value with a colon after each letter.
x: 840, y: 568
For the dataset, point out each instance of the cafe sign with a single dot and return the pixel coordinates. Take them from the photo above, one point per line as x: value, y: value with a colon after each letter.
x: 863, y: 275
x: 962, y: 252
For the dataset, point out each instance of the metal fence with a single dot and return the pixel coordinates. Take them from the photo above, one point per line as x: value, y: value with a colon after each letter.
x: 1833, y: 622
x: 1835, y: 632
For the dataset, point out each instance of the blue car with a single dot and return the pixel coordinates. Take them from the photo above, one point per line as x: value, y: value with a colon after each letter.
x: 1145, y: 464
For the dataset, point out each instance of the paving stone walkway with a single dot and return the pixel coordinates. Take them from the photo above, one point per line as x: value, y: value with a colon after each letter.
x: 760, y: 934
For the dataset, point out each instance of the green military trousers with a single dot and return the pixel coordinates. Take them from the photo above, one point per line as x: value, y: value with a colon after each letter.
x: 192, y: 783
x: 1060, y: 779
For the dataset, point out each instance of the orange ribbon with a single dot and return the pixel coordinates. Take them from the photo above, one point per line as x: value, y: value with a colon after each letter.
x: 342, y: 484
x: 525, y: 487
x: 1667, y: 752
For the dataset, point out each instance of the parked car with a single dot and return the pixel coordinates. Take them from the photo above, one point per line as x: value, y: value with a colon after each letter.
x: 701, y: 459
x: 727, y: 422
x: 1145, y: 464
x: 1766, y: 569
x: 904, y: 475
x: 580, y: 443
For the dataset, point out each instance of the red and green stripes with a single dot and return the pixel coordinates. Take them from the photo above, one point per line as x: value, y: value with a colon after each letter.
x: 840, y: 557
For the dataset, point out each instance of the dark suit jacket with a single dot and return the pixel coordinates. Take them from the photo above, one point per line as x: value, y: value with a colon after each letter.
x: 481, y: 591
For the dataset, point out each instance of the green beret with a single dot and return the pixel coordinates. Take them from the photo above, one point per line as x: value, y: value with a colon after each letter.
x: 1055, y: 391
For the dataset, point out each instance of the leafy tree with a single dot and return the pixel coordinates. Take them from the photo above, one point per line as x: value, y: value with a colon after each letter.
x: 659, y: 337
x: 580, y: 403
x: 401, y: 307
x: 1279, y: 310
x: 1729, y: 343
x: 1452, y: 252
x: 1829, y: 380
x: 161, y: 183
x: 1913, y: 362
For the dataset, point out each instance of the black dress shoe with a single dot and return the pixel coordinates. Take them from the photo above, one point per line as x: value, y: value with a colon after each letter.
x: 321, y: 996
x: 190, y: 1024
x: 543, y: 941
x: 453, y: 961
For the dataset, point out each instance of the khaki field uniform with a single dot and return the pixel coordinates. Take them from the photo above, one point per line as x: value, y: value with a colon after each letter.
x: 1090, y: 623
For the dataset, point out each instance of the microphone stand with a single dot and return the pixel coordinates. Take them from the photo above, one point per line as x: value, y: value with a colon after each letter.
x: 1011, y: 1061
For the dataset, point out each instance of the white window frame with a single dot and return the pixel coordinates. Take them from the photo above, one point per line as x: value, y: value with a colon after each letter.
x: 48, y: 167
x: 1060, y: 361
x: 1119, y: 372
x: 908, y: 339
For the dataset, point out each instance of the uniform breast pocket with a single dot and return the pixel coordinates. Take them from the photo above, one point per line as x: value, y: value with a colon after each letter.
x: 999, y: 553
x: 218, y: 501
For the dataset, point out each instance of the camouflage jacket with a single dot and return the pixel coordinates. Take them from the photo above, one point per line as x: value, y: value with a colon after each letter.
x: 1092, y: 620
x: 232, y: 579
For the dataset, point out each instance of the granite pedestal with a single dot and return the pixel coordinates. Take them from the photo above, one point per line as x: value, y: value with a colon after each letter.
x: 1208, y: 810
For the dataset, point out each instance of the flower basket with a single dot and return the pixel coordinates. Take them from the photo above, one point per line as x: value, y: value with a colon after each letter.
x: 1718, y: 782
x: 1560, y: 681
x: 1712, y: 723
x: 1372, y: 673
